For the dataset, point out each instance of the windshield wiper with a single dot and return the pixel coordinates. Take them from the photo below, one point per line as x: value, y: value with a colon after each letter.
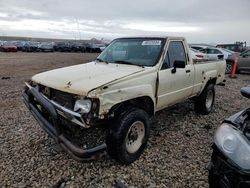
x: 124, y: 62
x: 128, y: 63
x: 101, y: 60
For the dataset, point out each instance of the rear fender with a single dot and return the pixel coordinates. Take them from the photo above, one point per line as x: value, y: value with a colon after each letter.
x: 209, y: 77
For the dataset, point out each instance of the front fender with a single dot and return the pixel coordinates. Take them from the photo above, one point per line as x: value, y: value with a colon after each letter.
x: 110, y: 98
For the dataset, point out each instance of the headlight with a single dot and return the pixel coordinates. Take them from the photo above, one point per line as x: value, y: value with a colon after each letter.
x: 83, y: 106
x: 234, y: 145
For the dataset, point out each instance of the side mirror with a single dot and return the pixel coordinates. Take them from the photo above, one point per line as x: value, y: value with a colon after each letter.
x: 178, y: 64
x: 245, y: 91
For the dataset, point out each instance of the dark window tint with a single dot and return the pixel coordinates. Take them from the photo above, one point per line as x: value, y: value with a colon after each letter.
x: 203, y: 51
x: 196, y: 47
x: 246, y: 54
x: 176, y: 52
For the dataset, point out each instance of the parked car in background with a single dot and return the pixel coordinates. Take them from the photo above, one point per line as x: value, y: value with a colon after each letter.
x: 212, y: 53
x: 101, y: 46
x: 95, y: 48
x: 226, y: 52
x: 78, y: 47
x: 243, y: 62
x: 46, y: 47
x: 31, y: 46
x: 8, y: 46
x: 62, y: 47
x: 198, y: 46
x: 237, y: 47
x: 20, y: 45
x: 196, y: 55
x: 230, y: 162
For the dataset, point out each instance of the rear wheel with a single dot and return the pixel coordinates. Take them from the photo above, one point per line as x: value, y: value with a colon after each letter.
x: 204, y: 103
x: 128, y: 137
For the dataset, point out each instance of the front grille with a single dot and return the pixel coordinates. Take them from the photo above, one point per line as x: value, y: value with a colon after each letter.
x: 66, y: 100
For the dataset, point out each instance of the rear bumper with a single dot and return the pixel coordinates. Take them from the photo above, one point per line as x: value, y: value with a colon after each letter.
x: 32, y: 99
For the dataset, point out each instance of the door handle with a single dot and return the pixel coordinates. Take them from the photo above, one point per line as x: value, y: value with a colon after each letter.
x: 188, y: 71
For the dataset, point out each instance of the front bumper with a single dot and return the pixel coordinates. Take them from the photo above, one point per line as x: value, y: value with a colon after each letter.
x: 223, y: 173
x: 34, y: 100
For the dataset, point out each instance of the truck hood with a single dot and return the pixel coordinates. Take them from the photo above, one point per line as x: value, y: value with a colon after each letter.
x: 80, y: 79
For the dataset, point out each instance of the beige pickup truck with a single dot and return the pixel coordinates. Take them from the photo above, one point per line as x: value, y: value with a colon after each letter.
x: 130, y: 81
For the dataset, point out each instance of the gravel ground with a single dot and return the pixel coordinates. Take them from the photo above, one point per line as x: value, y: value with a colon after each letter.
x: 177, y: 154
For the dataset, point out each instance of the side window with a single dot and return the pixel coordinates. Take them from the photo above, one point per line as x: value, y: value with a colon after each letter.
x: 217, y: 51
x: 203, y: 51
x: 176, y: 52
x: 246, y: 54
x: 210, y: 51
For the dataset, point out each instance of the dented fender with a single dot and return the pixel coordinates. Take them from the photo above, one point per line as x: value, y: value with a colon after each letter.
x: 110, y: 97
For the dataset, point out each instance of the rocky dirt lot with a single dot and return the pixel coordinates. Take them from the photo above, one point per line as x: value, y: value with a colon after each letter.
x: 177, y: 154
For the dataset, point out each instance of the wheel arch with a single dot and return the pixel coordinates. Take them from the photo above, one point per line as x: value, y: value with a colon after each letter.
x: 211, y: 80
x: 145, y: 103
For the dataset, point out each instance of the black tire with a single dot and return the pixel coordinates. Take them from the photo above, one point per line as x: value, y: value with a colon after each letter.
x: 229, y: 67
x: 121, y: 131
x: 202, y: 106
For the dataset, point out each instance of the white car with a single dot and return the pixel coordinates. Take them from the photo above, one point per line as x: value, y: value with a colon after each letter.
x: 101, y: 46
x: 213, y: 53
x: 198, y: 46
x: 196, y: 55
x: 226, y: 52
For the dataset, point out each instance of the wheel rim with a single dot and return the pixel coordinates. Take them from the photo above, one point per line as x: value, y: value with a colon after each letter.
x: 209, y: 99
x: 134, y: 137
x: 229, y: 68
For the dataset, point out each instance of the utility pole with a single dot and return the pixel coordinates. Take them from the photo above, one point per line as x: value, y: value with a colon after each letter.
x: 78, y: 29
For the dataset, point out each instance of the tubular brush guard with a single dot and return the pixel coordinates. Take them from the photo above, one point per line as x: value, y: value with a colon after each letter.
x: 32, y: 97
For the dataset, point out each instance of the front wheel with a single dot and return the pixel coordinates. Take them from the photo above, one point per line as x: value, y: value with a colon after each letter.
x: 204, y: 103
x: 229, y: 67
x: 128, y: 137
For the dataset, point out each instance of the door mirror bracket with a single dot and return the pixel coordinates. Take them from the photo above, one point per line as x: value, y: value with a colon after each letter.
x: 178, y: 64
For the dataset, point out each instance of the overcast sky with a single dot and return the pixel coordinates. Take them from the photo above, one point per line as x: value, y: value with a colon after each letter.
x: 203, y: 21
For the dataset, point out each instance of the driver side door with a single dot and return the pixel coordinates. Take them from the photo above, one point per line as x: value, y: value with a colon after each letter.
x: 244, y: 61
x: 177, y: 86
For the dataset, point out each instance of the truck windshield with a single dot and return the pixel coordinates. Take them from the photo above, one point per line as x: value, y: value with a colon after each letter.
x: 133, y: 51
